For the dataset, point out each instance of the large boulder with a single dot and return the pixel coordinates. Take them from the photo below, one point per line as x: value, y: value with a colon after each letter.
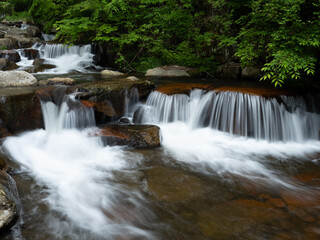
x: 10, y: 207
x: 169, y: 71
x: 8, y: 43
x: 17, y: 79
x: 20, y: 109
x: 137, y: 136
x: 113, y: 92
x: 10, y: 55
x: 230, y: 70
x: 6, y: 64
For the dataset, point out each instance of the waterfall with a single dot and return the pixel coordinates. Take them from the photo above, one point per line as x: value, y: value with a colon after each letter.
x: 131, y: 102
x: 236, y: 113
x: 76, y: 172
x: 64, y: 58
x: 66, y: 112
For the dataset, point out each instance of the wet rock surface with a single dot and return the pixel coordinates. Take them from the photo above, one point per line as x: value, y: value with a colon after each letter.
x: 181, y: 88
x: 10, y: 207
x: 113, y: 91
x: 10, y: 55
x: 20, y: 109
x: 174, y: 186
x: 31, y: 53
x: 137, y: 136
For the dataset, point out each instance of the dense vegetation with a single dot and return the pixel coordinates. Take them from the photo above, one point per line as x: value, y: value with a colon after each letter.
x: 283, y: 36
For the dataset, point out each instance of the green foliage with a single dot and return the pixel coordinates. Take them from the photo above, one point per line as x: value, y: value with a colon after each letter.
x: 283, y: 36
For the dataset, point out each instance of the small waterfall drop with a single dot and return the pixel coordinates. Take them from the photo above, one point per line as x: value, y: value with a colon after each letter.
x: 64, y: 58
x: 65, y: 112
x: 131, y: 102
x: 236, y: 113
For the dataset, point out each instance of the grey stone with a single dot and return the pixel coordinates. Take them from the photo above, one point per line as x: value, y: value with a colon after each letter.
x: 17, y: 79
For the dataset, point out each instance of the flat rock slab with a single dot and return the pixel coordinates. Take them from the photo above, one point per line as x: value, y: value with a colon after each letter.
x: 17, y: 79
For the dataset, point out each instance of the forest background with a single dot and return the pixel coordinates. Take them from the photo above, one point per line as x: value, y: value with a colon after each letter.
x: 280, y: 36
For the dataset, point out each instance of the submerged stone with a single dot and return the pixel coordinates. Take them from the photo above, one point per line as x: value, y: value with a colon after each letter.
x: 174, y: 186
x: 181, y: 88
x: 237, y: 218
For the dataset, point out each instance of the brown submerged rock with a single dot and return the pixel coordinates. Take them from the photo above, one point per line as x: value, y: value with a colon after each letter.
x: 137, y: 136
x: 174, y: 186
x: 235, y: 218
x: 10, y: 207
x: 265, y: 92
x: 182, y: 88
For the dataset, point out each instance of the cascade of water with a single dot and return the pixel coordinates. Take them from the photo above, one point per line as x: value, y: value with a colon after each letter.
x: 66, y: 112
x: 236, y: 113
x: 77, y: 172
x: 131, y: 102
x: 64, y: 58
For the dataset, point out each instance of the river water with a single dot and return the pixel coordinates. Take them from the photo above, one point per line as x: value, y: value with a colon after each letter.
x: 208, y: 180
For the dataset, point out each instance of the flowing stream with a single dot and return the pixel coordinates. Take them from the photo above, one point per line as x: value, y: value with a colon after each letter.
x: 231, y: 166
x: 62, y: 58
